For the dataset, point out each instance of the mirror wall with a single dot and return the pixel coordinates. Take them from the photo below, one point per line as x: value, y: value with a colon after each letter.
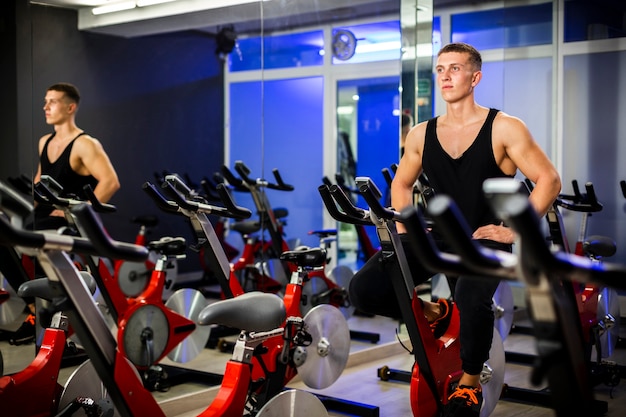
x: 171, y: 90
x: 329, y: 105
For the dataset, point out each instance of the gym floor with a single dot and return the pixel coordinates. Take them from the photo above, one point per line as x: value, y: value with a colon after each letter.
x: 359, y: 383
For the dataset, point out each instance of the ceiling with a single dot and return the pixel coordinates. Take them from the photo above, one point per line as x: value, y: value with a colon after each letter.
x: 211, y: 15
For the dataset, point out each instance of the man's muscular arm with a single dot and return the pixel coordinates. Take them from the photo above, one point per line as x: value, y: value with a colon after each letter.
x: 94, y: 161
x: 518, y: 150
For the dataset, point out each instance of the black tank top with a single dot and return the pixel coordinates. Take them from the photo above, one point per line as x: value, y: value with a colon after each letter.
x: 462, y: 178
x: 62, y: 171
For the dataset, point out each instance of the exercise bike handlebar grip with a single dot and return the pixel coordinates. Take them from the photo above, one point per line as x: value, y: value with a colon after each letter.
x: 99, y: 238
x: 375, y: 205
x: 452, y: 225
x: 387, y: 176
x: 536, y: 255
x: 330, y: 204
x: 13, y: 203
x: 341, y: 182
x: 95, y: 203
x: 51, y: 183
x: 161, y: 202
x: 179, y: 199
x: 516, y: 210
x: 12, y: 236
x: 586, y: 203
x: 244, y: 172
x: 236, y: 183
x: 592, y: 198
x: 209, y: 187
x: 424, y: 247
x: 179, y: 185
x: 346, y: 205
x: 234, y: 211
x: 46, y: 196
x: 280, y: 184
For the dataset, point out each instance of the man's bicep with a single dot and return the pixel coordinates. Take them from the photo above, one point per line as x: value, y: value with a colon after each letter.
x: 96, y: 161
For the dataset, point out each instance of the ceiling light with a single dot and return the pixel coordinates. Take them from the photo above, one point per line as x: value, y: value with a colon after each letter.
x: 364, y: 48
x: 144, y: 3
x: 113, y: 7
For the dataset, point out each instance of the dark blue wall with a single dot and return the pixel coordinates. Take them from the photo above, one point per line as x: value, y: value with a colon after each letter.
x: 155, y: 103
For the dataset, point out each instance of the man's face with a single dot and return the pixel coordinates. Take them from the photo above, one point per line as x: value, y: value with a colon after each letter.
x: 456, y: 77
x: 57, y: 107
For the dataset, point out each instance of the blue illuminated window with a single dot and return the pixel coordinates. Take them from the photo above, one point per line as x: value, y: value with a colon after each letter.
x: 281, y: 51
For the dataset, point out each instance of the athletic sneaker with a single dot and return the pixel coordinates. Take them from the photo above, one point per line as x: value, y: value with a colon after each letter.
x: 465, y: 401
x: 25, y: 334
x: 440, y: 325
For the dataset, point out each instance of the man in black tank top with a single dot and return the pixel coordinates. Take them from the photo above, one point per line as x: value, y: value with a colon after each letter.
x: 74, y: 159
x: 70, y: 156
x: 457, y: 152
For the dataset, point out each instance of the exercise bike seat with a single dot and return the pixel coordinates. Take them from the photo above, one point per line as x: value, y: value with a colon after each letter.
x: 246, y: 227
x: 49, y: 290
x: 146, y: 220
x: 307, y: 257
x: 170, y: 246
x: 599, y: 246
x: 280, y: 212
x: 252, y: 311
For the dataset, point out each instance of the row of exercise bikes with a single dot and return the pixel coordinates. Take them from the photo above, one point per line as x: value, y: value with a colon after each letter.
x: 285, y: 330
x: 126, y: 328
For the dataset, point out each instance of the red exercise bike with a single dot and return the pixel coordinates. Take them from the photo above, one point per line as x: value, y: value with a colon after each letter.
x: 261, y: 314
x: 148, y: 329
x: 277, y: 364
x: 321, y: 288
x: 437, y: 366
x: 41, y: 375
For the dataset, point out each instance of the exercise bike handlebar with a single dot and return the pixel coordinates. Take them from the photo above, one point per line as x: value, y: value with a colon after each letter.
x: 161, y: 202
x: 346, y: 205
x: 280, y: 184
x: 232, y: 210
x: 97, y: 205
x: 535, y: 253
x: 97, y: 243
x: 43, y: 193
x: 456, y: 232
x: 244, y: 172
x: 371, y: 197
x: 235, y: 211
x: 334, y: 212
x: 453, y: 226
x: 236, y: 183
x: 209, y: 187
x: 423, y: 244
x: 13, y: 203
x: 102, y: 242
x: 585, y: 203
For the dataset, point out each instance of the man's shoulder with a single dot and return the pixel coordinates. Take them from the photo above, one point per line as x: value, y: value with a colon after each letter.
x: 86, y: 143
x: 85, y: 139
